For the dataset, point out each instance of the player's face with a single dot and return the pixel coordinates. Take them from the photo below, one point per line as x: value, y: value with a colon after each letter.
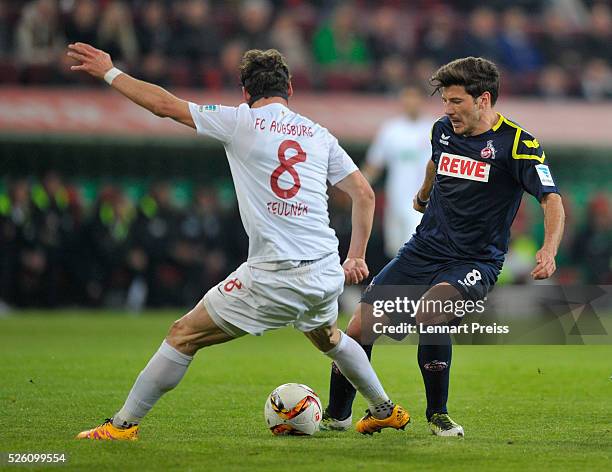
x: 462, y: 109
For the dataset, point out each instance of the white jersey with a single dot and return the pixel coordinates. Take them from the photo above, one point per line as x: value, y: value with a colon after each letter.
x: 280, y: 163
x: 402, y: 145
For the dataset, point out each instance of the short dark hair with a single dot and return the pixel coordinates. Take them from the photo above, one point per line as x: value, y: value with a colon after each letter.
x: 262, y: 72
x: 476, y: 74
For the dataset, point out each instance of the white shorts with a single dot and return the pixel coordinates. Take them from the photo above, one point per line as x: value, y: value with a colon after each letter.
x: 252, y: 300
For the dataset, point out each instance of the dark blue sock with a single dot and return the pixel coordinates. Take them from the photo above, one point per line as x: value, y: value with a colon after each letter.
x: 435, y: 362
x: 341, y: 392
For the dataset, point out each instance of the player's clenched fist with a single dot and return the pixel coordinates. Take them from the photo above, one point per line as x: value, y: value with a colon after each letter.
x: 92, y: 60
x: 546, y: 265
x: 355, y: 270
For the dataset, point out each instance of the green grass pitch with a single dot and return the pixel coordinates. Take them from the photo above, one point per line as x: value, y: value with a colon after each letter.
x: 523, y: 407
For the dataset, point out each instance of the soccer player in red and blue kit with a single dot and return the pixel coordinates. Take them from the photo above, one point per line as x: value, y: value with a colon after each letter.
x: 480, y: 165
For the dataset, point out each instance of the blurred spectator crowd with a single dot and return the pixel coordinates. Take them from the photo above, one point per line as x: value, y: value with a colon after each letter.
x: 57, y: 249
x: 112, y: 248
x: 548, y: 48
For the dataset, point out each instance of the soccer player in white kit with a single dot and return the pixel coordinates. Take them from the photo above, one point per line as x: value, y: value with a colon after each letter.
x: 401, y: 146
x: 280, y: 163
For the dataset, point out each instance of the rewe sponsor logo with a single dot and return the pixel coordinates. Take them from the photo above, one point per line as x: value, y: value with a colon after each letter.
x: 463, y: 167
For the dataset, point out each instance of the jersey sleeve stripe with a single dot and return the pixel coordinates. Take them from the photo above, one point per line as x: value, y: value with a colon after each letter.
x: 517, y: 137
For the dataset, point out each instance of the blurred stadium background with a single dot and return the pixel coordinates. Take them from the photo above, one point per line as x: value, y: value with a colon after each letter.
x: 103, y: 205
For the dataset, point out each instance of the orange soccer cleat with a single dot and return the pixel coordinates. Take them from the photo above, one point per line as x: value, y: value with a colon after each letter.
x: 398, y: 419
x: 107, y: 432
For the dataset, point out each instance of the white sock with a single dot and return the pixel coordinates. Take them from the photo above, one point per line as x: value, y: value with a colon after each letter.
x: 163, y: 372
x: 352, y: 361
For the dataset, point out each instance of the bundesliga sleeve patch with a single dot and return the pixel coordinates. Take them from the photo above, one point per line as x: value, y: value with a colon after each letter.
x: 209, y: 108
x: 544, y: 175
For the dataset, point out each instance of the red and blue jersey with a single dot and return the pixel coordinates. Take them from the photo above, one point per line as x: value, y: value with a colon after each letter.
x: 477, y: 190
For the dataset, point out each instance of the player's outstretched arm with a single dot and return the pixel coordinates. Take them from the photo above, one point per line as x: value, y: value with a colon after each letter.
x: 419, y: 203
x: 554, y: 222
x: 362, y: 195
x: 152, y: 97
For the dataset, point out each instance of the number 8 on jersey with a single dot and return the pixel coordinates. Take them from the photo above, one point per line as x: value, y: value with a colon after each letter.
x: 287, y: 165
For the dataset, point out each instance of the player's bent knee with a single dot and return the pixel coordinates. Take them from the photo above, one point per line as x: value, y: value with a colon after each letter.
x: 325, y: 338
x: 441, y: 292
x: 194, y: 331
x: 178, y: 334
x: 176, y: 330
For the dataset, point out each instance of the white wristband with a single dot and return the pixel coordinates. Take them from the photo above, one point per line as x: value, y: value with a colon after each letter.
x: 112, y: 75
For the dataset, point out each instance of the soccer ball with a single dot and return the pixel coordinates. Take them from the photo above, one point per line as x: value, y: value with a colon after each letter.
x: 293, y: 409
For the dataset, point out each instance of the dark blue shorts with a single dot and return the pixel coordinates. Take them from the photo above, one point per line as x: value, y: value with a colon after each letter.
x: 410, y: 267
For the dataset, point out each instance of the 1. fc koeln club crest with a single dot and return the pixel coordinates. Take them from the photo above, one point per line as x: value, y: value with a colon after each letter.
x: 488, y: 152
